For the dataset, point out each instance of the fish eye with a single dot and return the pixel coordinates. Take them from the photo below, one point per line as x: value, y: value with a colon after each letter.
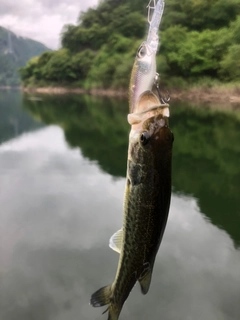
x: 141, y: 52
x: 145, y: 137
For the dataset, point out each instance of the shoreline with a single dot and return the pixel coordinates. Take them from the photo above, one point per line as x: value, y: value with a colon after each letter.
x: 212, y: 95
x: 121, y: 93
x: 216, y: 94
x: 10, y: 88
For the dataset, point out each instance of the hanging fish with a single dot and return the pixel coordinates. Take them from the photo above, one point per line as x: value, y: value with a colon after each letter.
x: 148, y: 183
x: 146, y: 203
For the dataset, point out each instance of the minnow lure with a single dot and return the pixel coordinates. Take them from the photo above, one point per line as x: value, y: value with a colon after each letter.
x: 144, y: 72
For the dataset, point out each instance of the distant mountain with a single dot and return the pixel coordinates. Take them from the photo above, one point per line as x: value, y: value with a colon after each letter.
x: 15, y: 51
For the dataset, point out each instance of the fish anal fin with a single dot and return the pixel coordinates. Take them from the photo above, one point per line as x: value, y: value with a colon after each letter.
x: 145, y: 280
x: 115, y: 241
x: 101, y: 297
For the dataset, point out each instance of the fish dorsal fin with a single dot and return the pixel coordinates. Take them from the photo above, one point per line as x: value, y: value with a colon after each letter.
x: 115, y: 241
x: 145, y: 279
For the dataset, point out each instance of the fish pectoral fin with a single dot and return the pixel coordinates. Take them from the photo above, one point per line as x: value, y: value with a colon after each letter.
x: 145, y: 279
x: 101, y: 297
x: 115, y: 241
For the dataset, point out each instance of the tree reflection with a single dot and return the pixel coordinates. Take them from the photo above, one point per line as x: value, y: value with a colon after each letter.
x: 12, y: 120
x: 206, y: 149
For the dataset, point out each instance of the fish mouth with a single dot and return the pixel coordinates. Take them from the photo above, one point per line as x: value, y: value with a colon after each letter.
x: 148, y: 105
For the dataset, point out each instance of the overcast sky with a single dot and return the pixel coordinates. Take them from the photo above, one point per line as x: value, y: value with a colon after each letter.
x: 41, y: 20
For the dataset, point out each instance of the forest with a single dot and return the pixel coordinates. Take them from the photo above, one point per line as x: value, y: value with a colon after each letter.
x: 200, y: 43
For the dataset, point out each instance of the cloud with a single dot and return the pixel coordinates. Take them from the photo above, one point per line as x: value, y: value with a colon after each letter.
x: 41, y: 20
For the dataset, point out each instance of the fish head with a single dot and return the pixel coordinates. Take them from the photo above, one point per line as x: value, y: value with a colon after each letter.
x: 151, y: 141
x: 156, y: 134
x: 150, y: 134
x: 143, y: 73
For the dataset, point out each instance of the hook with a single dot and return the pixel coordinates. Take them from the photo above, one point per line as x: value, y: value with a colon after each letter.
x: 164, y: 99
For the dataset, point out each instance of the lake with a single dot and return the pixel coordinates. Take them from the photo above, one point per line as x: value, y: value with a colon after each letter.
x: 62, y: 178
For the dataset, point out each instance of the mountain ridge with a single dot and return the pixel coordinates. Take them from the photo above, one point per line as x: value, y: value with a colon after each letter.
x: 15, y: 51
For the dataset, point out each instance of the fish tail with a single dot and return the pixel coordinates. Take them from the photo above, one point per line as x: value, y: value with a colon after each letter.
x: 101, y: 298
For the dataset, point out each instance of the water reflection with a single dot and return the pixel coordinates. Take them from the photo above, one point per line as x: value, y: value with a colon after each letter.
x: 206, y: 148
x: 12, y: 120
x: 58, y: 210
x: 97, y: 125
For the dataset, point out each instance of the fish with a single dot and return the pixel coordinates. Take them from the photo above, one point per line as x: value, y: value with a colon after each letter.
x: 144, y: 71
x: 146, y: 203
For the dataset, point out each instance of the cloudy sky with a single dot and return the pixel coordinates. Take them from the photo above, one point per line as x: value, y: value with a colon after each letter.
x: 41, y: 20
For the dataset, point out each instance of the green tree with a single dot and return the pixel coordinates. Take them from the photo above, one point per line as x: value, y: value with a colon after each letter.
x: 200, y: 14
x: 199, y: 38
x: 58, y: 68
x: 81, y: 63
x: 28, y: 72
x: 230, y: 65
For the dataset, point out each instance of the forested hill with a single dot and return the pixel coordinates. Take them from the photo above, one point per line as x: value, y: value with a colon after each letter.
x: 15, y: 51
x: 200, y: 39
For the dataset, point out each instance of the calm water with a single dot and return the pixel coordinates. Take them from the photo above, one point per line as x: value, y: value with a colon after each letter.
x: 62, y: 168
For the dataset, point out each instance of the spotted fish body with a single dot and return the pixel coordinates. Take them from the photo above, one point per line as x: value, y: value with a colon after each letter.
x: 146, y: 204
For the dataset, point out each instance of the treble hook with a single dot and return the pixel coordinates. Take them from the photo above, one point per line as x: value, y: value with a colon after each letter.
x: 164, y: 99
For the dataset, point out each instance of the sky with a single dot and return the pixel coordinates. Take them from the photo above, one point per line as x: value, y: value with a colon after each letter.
x: 41, y: 20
